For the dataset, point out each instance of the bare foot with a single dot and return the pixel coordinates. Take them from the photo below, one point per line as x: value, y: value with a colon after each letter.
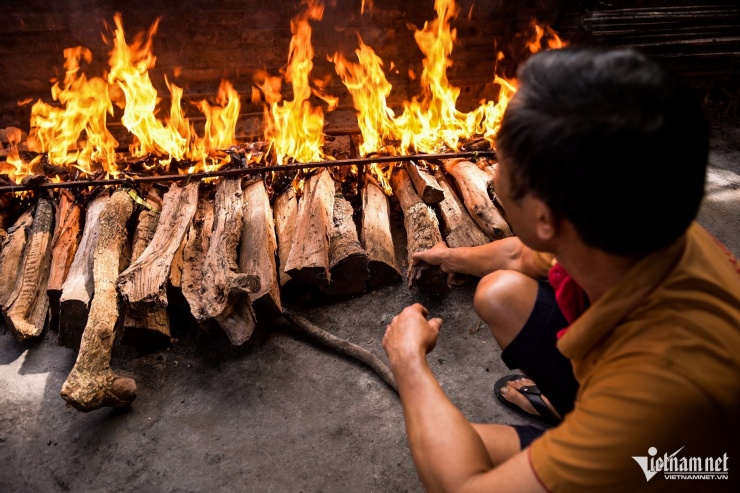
x: 511, y: 393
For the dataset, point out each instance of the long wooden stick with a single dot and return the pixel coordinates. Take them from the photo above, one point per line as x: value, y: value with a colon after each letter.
x: 343, y: 346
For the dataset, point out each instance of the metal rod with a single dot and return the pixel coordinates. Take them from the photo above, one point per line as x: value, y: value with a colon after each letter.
x: 246, y: 171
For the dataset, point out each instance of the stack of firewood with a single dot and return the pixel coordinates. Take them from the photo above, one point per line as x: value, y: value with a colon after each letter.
x: 84, y: 265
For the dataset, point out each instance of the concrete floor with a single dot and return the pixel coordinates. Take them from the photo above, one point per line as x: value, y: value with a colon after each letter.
x: 279, y: 414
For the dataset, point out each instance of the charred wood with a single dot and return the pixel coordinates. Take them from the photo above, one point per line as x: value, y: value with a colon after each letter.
x: 11, y: 255
x: 460, y: 229
x: 77, y: 290
x: 376, y: 235
x: 308, y: 260
x: 474, y: 186
x: 348, y: 261
x: 425, y: 184
x: 225, y: 291
x: 92, y: 384
x: 67, y: 231
x: 258, y: 250
x: 27, y: 307
x: 422, y: 233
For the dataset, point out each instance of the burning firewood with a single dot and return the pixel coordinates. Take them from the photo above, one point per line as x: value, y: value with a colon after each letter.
x: 286, y: 212
x: 376, y: 235
x: 194, y: 252
x: 11, y: 255
x: 143, y: 285
x: 92, y: 384
x: 309, y: 255
x: 225, y: 291
x: 474, y: 185
x: 26, y: 309
x: 424, y: 183
x: 148, y: 328
x: 257, y: 252
x: 67, y: 232
x: 77, y: 290
x: 460, y: 230
x: 348, y: 261
x: 422, y: 233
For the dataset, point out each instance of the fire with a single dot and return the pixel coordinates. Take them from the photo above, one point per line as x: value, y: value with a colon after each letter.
x: 75, y: 133
x: 432, y: 122
x: 295, y: 127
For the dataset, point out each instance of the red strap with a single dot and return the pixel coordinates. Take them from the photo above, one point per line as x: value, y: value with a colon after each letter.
x: 571, y: 297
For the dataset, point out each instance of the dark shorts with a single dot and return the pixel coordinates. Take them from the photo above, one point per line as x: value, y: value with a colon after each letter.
x: 534, y: 352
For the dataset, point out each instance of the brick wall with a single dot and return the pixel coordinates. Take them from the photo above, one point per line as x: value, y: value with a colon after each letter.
x: 209, y: 40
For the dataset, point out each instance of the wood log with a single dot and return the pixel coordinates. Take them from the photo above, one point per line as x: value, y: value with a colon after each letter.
x: 92, y: 384
x: 425, y: 184
x: 67, y: 232
x: 144, y: 284
x: 147, y: 328
x: 28, y: 305
x: 194, y: 252
x: 176, y: 267
x: 309, y: 256
x: 473, y: 185
x: 11, y: 255
x: 285, y: 212
x: 77, y: 290
x: 376, y: 235
x: 225, y: 291
x: 258, y: 250
x: 459, y: 228
x: 422, y: 233
x: 348, y: 260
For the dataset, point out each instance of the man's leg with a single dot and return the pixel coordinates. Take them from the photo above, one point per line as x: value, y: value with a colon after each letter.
x: 524, y: 317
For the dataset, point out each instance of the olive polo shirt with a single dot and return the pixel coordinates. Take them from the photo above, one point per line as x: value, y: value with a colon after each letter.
x: 658, y: 362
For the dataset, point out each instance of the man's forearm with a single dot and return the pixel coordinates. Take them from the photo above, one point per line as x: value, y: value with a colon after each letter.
x: 446, y: 449
x: 478, y: 261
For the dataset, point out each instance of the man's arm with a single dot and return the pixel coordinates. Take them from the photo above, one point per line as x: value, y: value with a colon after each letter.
x: 448, y: 453
x: 507, y: 254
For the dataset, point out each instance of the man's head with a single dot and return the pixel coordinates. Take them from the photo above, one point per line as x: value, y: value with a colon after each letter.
x: 609, y: 142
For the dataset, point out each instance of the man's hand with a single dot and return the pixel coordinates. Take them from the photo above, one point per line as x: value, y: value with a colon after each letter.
x: 410, y: 335
x: 439, y: 254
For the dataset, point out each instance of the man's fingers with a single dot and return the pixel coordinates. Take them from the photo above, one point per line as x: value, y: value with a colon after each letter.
x: 419, y: 257
x: 436, y: 323
x: 420, y: 308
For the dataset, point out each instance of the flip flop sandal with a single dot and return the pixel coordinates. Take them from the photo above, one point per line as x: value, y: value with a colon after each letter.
x: 533, y: 395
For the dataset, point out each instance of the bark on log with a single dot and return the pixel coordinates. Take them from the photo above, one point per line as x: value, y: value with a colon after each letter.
x: 194, y: 252
x: 348, y: 261
x: 11, y: 257
x: 144, y: 284
x: 92, y: 384
x: 67, y: 231
x: 77, y: 290
x: 376, y: 235
x: 459, y: 228
x: 422, y: 233
x: 309, y: 256
x: 225, y: 291
x: 147, y: 328
x: 26, y: 310
x: 258, y: 250
x: 473, y: 185
x: 286, y: 212
x: 425, y: 184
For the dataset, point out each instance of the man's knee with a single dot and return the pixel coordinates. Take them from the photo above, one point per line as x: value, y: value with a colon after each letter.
x: 504, y: 300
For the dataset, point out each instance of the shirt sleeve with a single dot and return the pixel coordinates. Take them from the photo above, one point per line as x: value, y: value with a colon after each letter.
x: 620, y: 414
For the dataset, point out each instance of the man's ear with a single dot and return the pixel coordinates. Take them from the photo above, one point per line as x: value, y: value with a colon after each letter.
x: 546, y: 221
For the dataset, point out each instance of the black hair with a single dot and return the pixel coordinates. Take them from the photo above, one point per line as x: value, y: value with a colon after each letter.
x: 609, y: 141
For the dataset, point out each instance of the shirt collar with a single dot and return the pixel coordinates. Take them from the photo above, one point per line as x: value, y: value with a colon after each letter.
x: 602, y: 317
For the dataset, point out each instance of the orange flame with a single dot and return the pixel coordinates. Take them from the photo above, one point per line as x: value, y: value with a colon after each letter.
x: 295, y: 127
x: 85, y: 106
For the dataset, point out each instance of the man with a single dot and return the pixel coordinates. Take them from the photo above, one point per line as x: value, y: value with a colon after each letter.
x: 635, y: 341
